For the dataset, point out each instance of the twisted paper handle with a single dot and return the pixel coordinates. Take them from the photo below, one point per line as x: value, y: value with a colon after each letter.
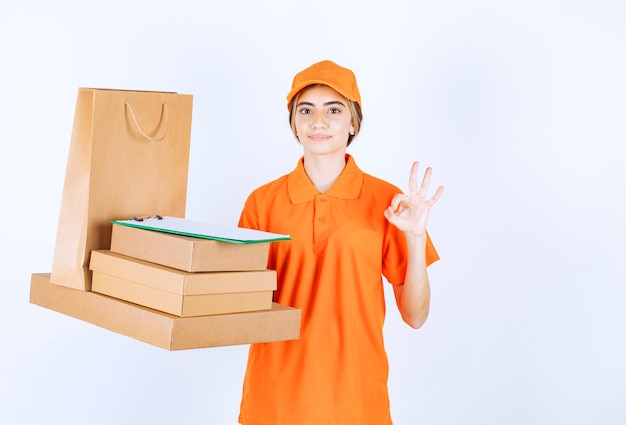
x: 165, y: 116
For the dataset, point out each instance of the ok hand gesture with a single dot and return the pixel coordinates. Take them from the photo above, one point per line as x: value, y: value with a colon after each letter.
x: 409, y: 212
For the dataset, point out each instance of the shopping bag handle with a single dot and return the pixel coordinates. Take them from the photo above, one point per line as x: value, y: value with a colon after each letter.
x: 164, y: 115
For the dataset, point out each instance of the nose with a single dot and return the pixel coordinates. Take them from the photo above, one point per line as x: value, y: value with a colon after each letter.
x: 319, y: 121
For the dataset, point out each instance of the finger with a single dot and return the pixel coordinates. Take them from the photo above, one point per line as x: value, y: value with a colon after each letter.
x: 413, y: 177
x: 436, y: 196
x: 397, y: 202
x: 388, y: 213
x: 425, y: 182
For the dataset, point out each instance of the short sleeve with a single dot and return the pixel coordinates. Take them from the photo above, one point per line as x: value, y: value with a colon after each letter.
x: 249, y: 218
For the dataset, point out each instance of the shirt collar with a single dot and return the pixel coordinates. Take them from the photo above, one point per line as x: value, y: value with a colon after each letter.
x: 347, y: 186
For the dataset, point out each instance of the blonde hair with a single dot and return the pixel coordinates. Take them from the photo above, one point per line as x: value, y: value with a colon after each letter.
x: 353, y: 107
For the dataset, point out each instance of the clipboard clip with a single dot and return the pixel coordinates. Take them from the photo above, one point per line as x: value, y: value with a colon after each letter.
x: 146, y: 217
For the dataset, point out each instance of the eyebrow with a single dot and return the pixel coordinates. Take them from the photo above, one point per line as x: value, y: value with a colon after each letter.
x: 332, y: 102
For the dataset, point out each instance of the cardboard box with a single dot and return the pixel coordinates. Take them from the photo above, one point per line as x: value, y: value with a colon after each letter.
x: 177, y: 292
x: 280, y: 323
x: 188, y: 253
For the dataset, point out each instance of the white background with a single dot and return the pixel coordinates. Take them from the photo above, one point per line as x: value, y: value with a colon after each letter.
x: 519, y: 106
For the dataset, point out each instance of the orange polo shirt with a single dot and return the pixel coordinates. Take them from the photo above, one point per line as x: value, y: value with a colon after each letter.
x: 341, y: 246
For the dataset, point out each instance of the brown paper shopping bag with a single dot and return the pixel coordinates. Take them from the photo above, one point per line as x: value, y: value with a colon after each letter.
x: 129, y: 156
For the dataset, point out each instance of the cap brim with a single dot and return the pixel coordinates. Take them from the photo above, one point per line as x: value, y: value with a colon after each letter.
x: 294, y: 91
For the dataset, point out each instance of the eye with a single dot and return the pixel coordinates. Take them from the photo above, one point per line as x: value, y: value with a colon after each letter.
x: 333, y: 111
x: 304, y: 111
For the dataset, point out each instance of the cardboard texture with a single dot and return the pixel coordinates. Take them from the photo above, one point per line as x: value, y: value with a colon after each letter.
x: 280, y: 323
x: 188, y: 253
x: 128, y: 156
x: 181, y: 293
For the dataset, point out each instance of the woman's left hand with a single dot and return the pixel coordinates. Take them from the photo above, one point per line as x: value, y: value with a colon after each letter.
x: 409, y: 212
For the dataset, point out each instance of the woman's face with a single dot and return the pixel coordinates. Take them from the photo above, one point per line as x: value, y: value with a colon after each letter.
x: 323, y: 121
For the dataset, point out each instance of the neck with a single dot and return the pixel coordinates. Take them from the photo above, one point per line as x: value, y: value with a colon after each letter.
x: 323, y: 170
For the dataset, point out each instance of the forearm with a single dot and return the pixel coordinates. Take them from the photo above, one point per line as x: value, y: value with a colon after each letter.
x: 413, y: 296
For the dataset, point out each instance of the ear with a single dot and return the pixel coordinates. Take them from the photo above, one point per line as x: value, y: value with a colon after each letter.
x: 352, y: 130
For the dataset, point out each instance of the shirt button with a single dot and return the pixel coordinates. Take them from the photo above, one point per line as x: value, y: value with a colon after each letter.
x: 321, y: 219
x: 322, y: 199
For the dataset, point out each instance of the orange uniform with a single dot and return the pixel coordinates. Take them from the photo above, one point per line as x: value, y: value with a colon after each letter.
x: 332, y: 269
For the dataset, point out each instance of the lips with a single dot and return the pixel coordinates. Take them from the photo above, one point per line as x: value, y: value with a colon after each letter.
x: 319, y: 137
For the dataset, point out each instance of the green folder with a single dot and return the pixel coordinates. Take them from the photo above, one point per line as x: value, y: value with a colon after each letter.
x: 197, y: 229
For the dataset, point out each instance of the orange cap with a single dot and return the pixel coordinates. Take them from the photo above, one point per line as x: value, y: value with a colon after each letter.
x: 329, y: 74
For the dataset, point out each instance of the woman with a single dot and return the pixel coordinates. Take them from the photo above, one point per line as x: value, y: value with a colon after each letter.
x: 348, y: 229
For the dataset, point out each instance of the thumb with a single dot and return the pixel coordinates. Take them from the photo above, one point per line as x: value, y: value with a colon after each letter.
x: 389, y: 214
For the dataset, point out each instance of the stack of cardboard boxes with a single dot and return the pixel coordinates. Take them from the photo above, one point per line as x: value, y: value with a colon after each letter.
x: 177, y: 292
x: 182, y: 275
